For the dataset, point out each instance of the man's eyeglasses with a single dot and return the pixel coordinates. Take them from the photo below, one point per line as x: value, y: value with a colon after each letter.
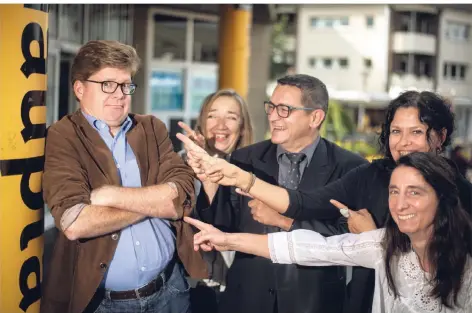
x: 283, y: 110
x: 110, y: 87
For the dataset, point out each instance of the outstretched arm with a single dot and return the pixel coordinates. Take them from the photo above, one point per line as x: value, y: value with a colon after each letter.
x: 302, y: 247
x: 210, y: 238
x: 291, y: 203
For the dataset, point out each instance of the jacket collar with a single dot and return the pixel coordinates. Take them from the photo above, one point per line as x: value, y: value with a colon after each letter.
x: 102, y: 155
x: 317, y: 173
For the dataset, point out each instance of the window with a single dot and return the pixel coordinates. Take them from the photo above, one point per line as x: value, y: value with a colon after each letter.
x: 368, y: 63
x: 343, y: 62
x: 205, y: 42
x: 71, y: 22
x: 314, y: 22
x: 424, y: 68
x: 167, y: 90
x: 118, y: 24
x: 53, y: 18
x: 400, y: 63
x: 425, y: 27
x: 425, y: 23
x: 170, y: 35
x: 329, y: 22
x: 404, y: 66
x: 455, y: 71
x: 369, y: 20
x: 457, y: 31
x: 312, y: 62
x: 404, y: 21
x: 327, y: 62
x: 462, y: 70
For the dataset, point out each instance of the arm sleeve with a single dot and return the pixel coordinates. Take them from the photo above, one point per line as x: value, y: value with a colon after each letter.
x: 315, y: 204
x: 309, y: 248
x: 65, y: 181
x: 325, y: 228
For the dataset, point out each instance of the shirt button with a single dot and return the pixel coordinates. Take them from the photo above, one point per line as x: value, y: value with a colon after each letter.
x: 118, y: 165
x: 271, y: 291
x: 143, y: 268
x: 114, y: 236
x: 103, y: 265
x: 138, y: 243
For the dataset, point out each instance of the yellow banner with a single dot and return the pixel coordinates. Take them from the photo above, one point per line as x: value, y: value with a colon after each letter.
x: 23, y: 82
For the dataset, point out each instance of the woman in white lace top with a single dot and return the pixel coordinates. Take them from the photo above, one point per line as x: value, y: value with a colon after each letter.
x: 422, y: 258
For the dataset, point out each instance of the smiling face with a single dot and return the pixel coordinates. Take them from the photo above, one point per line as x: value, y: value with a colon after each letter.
x: 223, y: 124
x: 412, y: 201
x: 299, y: 129
x: 408, y: 134
x: 109, y: 108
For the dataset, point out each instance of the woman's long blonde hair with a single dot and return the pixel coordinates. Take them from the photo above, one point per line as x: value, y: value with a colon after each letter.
x: 246, y: 137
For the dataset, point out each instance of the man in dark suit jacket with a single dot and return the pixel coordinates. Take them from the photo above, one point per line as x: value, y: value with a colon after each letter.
x: 296, y: 111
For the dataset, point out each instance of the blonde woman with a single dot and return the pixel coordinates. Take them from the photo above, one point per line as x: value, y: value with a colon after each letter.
x: 223, y: 126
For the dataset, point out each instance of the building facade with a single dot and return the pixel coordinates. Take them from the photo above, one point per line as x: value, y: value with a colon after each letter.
x: 368, y: 54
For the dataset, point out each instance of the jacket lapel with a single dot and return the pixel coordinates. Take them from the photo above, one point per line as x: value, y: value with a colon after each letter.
x: 266, y: 166
x: 320, y: 168
x: 98, y: 149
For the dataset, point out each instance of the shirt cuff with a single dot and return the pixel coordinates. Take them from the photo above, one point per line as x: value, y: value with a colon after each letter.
x: 71, y: 214
x: 281, y: 248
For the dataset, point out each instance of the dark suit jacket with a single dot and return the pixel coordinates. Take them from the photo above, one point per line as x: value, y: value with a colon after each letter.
x: 255, y: 284
x: 78, y: 161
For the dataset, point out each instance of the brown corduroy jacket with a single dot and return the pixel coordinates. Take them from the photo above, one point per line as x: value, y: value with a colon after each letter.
x: 77, y: 161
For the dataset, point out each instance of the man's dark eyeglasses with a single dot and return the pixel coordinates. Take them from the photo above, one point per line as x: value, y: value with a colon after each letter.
x: 283, y: 110
x: 110, y: 87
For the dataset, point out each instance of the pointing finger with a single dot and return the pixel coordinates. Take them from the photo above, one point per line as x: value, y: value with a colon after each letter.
x: 198, y: 224
x: 185, y: 127
x: 343, y: 209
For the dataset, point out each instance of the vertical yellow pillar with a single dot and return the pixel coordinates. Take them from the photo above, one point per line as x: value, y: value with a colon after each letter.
x: 234, y: 47
x: 23, y: 53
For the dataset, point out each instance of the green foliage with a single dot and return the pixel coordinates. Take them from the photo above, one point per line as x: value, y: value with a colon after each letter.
x: 339, y: 125
x: 358, y: 146
x: 279, y: 42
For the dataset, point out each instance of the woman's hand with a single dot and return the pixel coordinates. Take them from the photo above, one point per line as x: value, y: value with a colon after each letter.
x: 217, y: 170
x: 209, y: 237
x: 357, y: 221
x: 193, y: 135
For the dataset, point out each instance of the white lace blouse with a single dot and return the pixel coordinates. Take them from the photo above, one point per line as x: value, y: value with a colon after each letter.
x: 306, y: 247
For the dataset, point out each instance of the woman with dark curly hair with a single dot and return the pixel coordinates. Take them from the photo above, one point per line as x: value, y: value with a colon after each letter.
x: 415, y: 122
x: 422, y: 258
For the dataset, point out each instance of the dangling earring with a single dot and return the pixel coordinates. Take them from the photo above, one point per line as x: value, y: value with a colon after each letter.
x: 438, y: 150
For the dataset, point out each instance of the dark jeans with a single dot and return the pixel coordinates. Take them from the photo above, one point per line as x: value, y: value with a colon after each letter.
x: 174, y: 297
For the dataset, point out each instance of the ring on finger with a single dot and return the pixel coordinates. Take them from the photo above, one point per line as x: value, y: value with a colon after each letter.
x: 344, y: 212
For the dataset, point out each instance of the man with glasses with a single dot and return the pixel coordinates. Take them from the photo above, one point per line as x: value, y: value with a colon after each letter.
x: 117, y: 192
x: 295, y: 157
